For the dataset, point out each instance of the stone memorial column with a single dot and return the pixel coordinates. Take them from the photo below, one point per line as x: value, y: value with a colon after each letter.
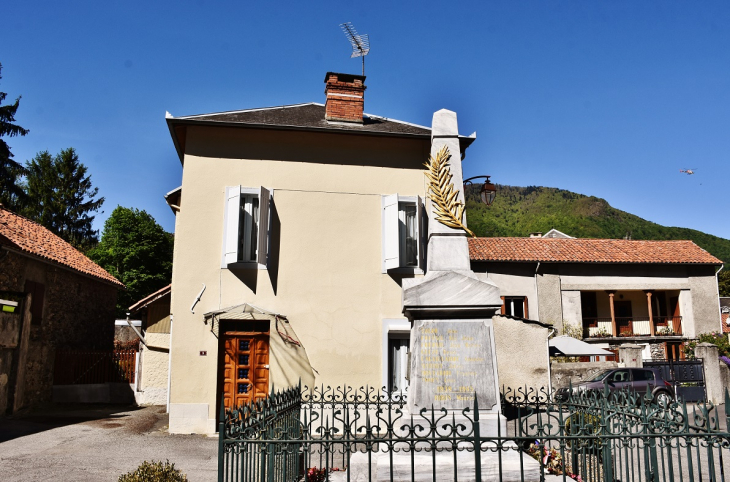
x: 452, y: 340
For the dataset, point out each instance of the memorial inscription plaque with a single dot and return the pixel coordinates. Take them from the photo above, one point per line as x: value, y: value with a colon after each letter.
x: 451, y: 361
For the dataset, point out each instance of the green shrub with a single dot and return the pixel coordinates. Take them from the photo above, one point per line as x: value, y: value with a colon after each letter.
x: 718, y: 339
x: 154, y: 472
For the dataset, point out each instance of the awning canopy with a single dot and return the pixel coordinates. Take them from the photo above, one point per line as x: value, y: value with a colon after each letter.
x: 243, y: 311
x: 569, y: 346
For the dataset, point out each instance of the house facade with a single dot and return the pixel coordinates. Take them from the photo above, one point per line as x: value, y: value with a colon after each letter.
x: 296, y: 227
x: 52, y: 297
x: 654, y: 293
x: 301, y: 247
x: 154, y: 360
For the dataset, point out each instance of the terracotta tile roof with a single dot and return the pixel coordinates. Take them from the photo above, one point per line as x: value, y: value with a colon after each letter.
x: 588, y: 251
x: 28, y: 236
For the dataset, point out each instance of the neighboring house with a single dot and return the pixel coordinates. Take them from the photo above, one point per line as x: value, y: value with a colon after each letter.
x: 725, y: 313
x: 554, y: 233
x: 300, y: 222
x: 654, y: 293
x: 152, y: 374
x: 53, y: 297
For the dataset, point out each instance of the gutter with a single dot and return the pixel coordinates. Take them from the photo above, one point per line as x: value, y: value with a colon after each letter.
x: 550, y: 372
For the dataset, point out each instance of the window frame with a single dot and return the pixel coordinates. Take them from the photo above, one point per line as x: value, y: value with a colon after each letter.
x: 525, y: 311
x: 394, y: 236
x: 237, y: 231
x: 393, y: 328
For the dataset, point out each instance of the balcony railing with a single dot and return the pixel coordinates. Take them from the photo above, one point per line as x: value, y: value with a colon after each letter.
x: 602, y: 327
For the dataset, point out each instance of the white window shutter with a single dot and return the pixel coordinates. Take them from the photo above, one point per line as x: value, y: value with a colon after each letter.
x: 263, y: 224
x: 391, y: 241
x: 422, y: 241
x: 232, y: 215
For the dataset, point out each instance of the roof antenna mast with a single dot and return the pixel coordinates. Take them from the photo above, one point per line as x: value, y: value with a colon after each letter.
x: 360, y: 43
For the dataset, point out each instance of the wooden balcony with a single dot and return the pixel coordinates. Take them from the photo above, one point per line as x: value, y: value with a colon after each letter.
x: 602, y: 327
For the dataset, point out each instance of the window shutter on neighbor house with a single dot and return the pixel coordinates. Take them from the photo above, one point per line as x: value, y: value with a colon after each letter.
x: 263, y: 226
x: 391, y: 238
x: 232, y: 218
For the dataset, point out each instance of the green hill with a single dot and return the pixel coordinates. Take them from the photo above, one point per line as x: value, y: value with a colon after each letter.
x: 519, y: 211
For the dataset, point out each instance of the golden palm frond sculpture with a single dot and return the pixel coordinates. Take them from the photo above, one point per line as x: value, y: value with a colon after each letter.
x: 441, y: 192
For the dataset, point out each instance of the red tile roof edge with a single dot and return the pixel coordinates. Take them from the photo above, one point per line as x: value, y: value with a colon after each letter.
x: 29, y: 237
x: 585, y: 250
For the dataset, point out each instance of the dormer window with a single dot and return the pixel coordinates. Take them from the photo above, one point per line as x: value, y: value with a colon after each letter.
x: 402, y: 233
x: 246, y: 233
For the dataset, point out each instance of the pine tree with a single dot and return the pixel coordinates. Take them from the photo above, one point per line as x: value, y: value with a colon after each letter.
x: 11, y: 191
x: 61, y: 197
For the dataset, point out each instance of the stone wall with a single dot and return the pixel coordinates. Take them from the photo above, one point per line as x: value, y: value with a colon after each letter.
x: 154, y: 369
x: 522, y: 356
x: 562, y: 374
x: 77, y: 313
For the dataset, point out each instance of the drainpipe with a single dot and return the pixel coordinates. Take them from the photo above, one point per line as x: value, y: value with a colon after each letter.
x: 537, y: 301
x: 136, y: 332
x: 169, y: 366
x: 550, y: 373
x: 719, y: 308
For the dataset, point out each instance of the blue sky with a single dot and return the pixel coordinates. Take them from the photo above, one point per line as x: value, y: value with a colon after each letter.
x: 604, y: 98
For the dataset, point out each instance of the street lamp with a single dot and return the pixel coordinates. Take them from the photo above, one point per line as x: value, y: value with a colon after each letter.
x: 487, y: 192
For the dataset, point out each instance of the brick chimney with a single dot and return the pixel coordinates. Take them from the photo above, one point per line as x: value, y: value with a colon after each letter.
x: 345, y: 97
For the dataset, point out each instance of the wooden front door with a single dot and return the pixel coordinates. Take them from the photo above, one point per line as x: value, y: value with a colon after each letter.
x: 245, y: 370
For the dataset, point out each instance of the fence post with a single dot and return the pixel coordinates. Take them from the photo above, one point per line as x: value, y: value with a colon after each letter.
x: 713, y: 379
x: 478, y: 442
x: 221, y: 443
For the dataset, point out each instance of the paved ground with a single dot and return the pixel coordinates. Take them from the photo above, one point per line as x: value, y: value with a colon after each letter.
x: 97, y: 443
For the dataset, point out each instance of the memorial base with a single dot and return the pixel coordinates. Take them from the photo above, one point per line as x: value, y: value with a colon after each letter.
x: 507, y: 465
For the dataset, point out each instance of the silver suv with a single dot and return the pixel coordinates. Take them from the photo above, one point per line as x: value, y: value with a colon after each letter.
x: 638, y: 380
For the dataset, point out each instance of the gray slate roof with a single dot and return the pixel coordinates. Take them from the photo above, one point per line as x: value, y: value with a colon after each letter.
x: 308, y: 116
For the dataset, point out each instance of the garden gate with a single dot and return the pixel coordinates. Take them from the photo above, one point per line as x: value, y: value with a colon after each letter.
x: 687, y: 377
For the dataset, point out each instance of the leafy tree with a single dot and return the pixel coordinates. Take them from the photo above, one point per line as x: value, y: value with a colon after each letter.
x: 60, y: 196
x: 137, y: 251
x: 723, y: 282
x: 11, y: 191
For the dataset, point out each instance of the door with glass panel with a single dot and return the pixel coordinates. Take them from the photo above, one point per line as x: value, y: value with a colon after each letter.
x: 245, y: 361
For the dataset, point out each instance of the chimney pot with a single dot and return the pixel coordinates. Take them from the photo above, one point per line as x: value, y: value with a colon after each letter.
x: 345, y: 97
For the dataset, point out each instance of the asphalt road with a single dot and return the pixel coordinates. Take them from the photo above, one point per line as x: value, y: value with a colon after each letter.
x: 97, y: 443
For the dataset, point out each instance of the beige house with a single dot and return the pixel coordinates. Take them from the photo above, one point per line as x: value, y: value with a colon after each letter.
x: 298, y: 229
x: 657, y: 294
x: 295, y: 227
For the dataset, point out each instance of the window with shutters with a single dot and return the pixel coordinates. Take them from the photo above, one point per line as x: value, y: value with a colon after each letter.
x: 403, y: 223
x: 246, y: 233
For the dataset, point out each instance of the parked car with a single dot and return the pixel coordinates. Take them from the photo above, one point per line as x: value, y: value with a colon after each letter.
x: 635, y: 379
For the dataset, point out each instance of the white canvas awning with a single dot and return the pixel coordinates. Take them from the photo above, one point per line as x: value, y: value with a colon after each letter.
x: 569, y: 346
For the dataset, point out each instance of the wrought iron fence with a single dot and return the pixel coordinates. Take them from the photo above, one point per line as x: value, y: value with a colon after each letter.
x: 362, y: 434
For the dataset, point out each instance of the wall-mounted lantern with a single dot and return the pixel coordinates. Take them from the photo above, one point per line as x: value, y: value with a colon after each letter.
x: 488, y: 191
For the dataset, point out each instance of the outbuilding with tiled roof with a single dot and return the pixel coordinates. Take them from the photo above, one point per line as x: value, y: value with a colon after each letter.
x: 53, y: 298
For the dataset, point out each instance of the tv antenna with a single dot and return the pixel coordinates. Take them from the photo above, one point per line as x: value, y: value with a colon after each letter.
x: 360, y: 43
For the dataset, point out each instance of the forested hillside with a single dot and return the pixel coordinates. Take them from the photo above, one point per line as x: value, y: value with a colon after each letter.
x: 519, y: 211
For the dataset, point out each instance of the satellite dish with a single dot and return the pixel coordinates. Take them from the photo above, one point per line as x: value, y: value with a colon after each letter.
x: 360, y: 43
